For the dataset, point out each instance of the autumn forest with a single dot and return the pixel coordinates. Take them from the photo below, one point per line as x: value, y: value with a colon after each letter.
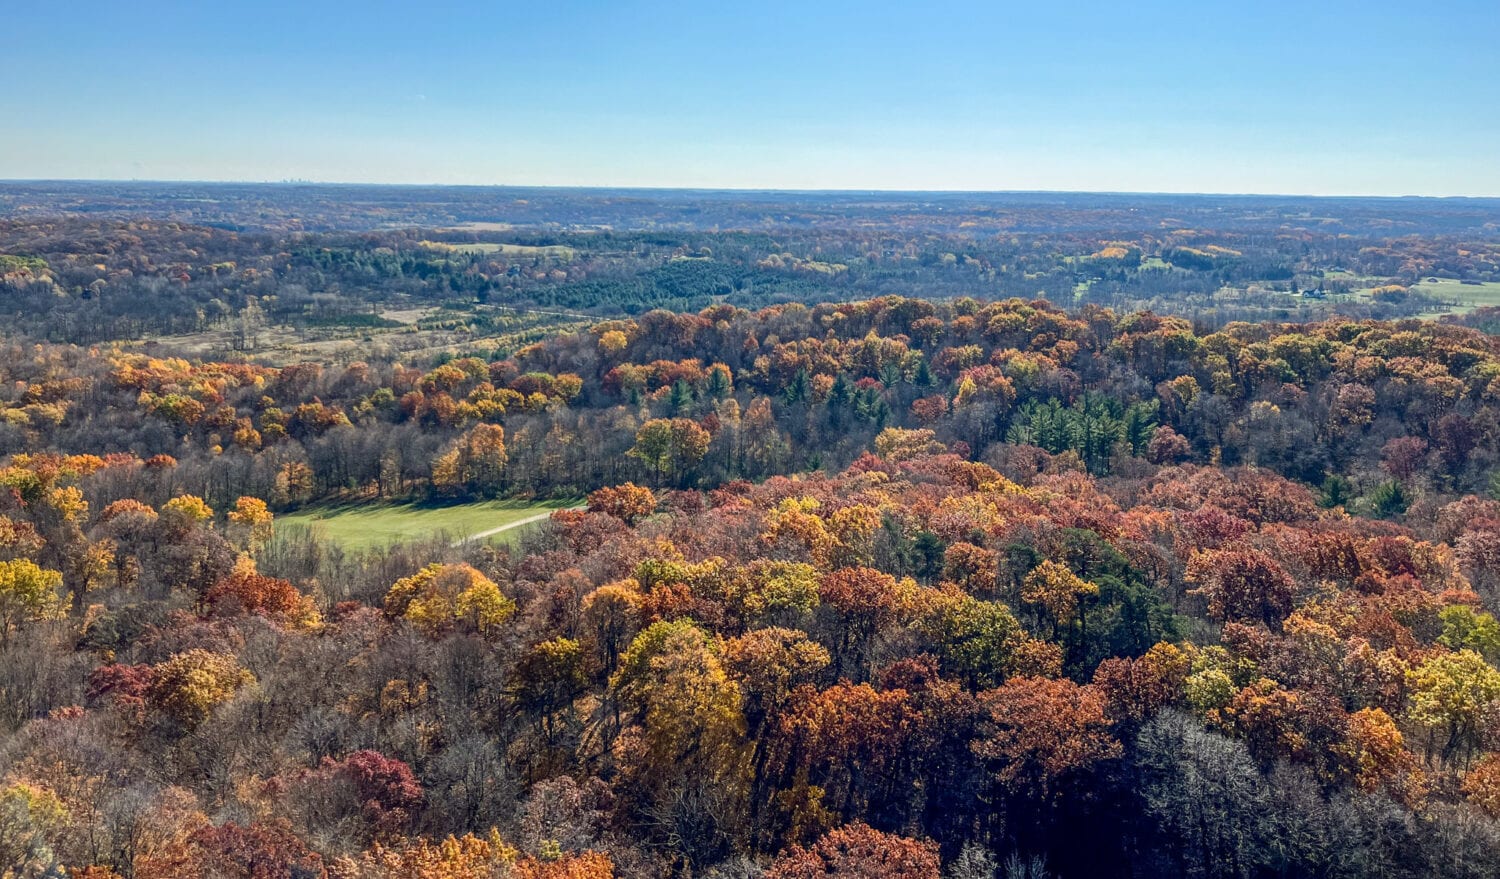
x: 920, y: 537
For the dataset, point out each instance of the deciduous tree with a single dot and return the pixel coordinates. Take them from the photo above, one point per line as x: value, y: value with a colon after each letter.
x: 474, y: 464
x: 1242, y: 584
x: 858, y: 851
x: 440, y: 597
x: 27, y: 594
x: 1041, y: 734
x: 190, y: 685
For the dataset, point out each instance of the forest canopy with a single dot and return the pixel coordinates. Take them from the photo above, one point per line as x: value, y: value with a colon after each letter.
x: 829, y: 581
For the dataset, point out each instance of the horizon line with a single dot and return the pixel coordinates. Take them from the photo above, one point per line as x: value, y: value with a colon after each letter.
x: 8, y: 181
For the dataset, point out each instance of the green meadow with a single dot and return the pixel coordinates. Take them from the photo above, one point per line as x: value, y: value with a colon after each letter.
x: 1466, y: 297
x: 375, y: 525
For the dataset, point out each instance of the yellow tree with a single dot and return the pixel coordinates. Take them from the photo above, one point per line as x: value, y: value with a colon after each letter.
x: 612, y: 342
x: 1057, y: 591
x: 612, y: 614
x: 796, y: 521
x: 686, y: 756
x: 188, y: 510
x: 441, y: 597
x: 32, y: 819
x: 899, y: 444
x: 979, y: 641
x: 474, y: 463
x: 1451, y: 695
x: 465, y: 857
x: 675, y: 684
x: 27, y: 594
x: 768, y: 664
x: 190, y: 685
x: 250, y: 523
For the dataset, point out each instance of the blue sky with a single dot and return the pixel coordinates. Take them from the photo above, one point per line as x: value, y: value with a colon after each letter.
x: 1313, y: 97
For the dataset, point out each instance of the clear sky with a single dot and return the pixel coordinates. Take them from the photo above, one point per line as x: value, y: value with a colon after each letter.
x: 1319, y: 96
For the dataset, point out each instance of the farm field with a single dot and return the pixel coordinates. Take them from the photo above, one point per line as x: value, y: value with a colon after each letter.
x: 1454, y: 297
x: 370, y: 526
x: 1466, y: 296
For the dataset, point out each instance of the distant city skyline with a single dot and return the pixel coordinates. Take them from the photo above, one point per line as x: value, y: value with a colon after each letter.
x: 1373, y: 98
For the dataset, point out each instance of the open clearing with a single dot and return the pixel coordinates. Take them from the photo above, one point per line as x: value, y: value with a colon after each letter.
x: 373, y: 525
x: 408, y: 316
x: 553, y: 251
x: 479, y: 227
x: 1466, y: 297
x: 401, y: 332
x: 1453, y: 296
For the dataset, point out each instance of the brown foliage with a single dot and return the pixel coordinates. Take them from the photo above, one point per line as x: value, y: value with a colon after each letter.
x: 858, y: 851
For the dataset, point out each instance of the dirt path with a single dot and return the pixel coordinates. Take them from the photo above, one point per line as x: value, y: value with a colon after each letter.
x: 516, y: 524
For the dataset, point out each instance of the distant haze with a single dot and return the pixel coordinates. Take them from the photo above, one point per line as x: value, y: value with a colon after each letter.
x: 1368, y: 98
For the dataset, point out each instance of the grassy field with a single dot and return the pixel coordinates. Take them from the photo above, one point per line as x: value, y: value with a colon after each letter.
x: 368, y: 526
x: 1467, y: 296
x: 1456, y: 297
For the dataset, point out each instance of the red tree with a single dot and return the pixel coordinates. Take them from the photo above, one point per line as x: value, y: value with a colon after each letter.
x: 857, y: 851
